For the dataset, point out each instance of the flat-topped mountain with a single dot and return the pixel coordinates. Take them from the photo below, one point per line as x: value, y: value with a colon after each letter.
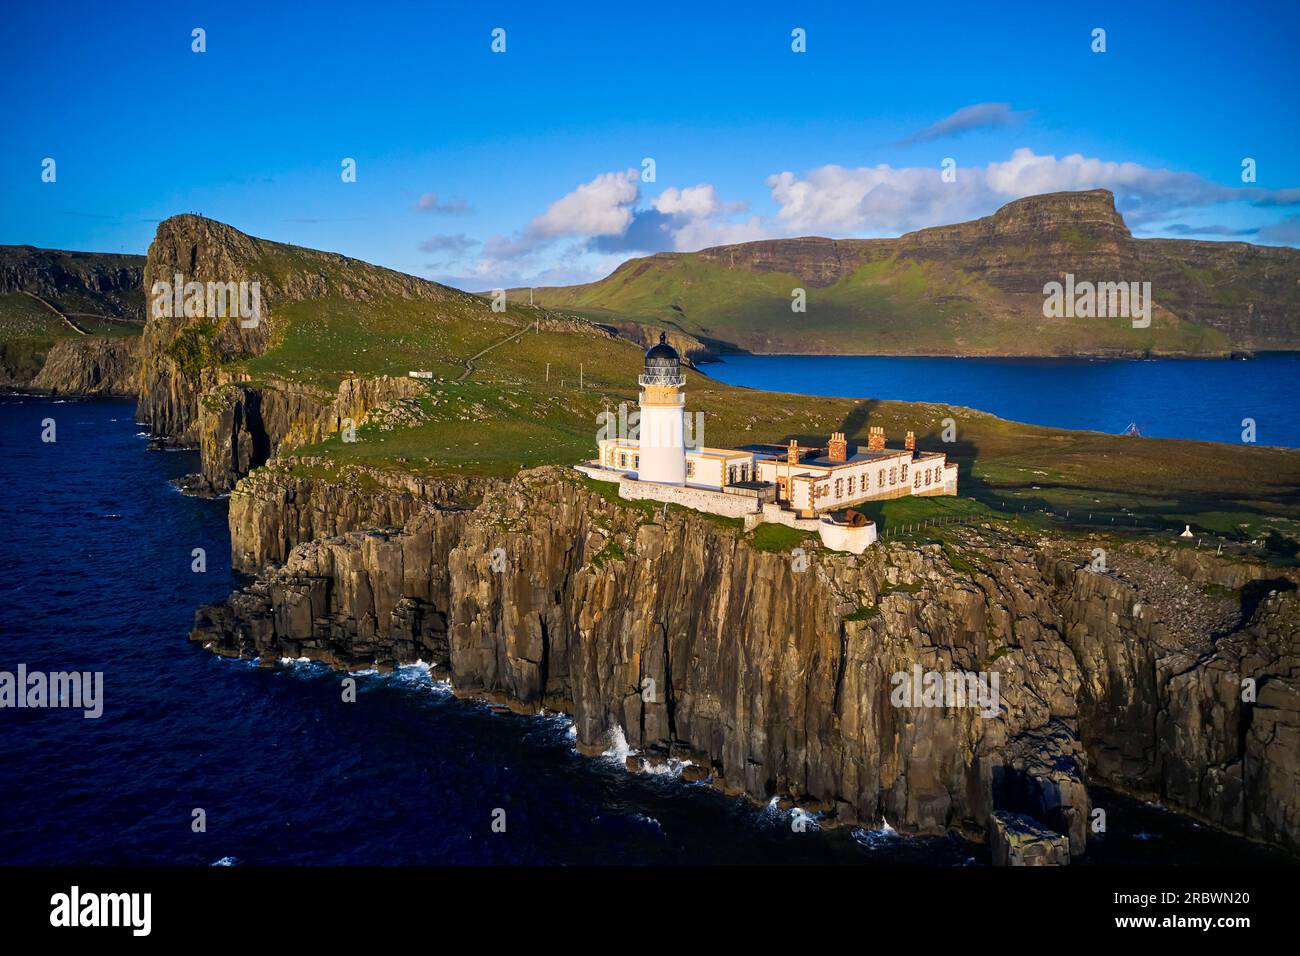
x: 974, y: 288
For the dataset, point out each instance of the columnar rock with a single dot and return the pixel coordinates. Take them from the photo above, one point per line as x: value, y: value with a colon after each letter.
x: 1018, y: 840
x: 91, y: 365
x: 778, y: 678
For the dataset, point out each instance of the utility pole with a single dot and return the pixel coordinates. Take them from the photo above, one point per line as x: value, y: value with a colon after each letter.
x: 548, y: 371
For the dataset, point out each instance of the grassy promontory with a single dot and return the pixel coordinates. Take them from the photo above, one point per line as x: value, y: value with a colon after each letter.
x: 522, y: 406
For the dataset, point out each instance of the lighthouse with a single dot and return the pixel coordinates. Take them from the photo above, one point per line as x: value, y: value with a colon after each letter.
x: 663, y: 402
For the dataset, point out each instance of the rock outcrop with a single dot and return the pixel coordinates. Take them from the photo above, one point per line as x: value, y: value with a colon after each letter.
x: 291, y: 501
x: 778, y: 679
x: 181, y: 352
x: 241, y: 425
x: 47, y: 295
x: 102, y: 283
x: 1018, y: 840
x: 91, y: 365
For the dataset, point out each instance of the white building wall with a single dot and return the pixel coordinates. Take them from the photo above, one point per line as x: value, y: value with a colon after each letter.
x: 704, y: 471
x: 663, y: 450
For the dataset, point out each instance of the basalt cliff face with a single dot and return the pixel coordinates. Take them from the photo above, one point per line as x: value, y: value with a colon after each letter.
x: 91, y: 365
x: 54, y: 305
x: 189, y: 398
x: 103, y: 282
x: 773, y: 673
x: 180, y: 351
x: 239, y: 426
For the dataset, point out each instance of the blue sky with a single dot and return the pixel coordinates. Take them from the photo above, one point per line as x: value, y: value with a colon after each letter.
x: 525, y: 167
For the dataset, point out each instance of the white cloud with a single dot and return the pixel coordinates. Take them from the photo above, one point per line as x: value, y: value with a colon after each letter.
x: 693, y: 202
x: 887, y: 200
x: 602, y: 207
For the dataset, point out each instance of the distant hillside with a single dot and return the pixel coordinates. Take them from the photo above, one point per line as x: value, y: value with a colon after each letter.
x: 975, y: 288
x: 49, y: 294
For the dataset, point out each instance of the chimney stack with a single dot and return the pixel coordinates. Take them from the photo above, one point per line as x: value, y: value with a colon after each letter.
x: 837, y: 449
x: 792, y: 453
x: 910, y: 442
x: 875, y: 438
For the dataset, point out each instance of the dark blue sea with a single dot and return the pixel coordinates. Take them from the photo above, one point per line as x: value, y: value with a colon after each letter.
x: 95, y: 574
x: 1166, y: 398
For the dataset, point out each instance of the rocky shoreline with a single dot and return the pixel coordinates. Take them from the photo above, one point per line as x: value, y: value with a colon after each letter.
x: 775, y: 682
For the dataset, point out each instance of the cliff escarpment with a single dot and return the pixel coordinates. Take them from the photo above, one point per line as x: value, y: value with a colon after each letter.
x: 91, y: 365
x: 181, y: 351
x: 774, y: 672
x: 241, y: 425
x: 291, y: 501
x: 50, y: 298
x: 100, y: 283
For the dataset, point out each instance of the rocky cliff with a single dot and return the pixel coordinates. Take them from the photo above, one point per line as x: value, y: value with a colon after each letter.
x: 91, y: 365
x: 774, y: 676
x: 190, y: 397
x: 180, y: 352
x: 48, y: 296
x: 99, y: 282
x: 241, y: 425
x: 291, y: 501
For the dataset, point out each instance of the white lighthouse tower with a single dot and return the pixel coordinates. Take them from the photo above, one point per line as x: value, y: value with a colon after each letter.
x: 663, y: 402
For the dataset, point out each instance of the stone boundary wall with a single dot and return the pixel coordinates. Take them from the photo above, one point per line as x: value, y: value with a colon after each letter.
x: 599, y: 473
x: 700, y: 499
x: 774, y: 514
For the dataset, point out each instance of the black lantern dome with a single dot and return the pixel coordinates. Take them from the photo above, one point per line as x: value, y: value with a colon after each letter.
x: 663, y: 366
x: 662, y: 355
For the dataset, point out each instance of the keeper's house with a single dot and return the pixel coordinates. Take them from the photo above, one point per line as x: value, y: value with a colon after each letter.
x: 814, y: 480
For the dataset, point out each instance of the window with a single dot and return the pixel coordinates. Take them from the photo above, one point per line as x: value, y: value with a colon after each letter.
x: 905, y: 473
x: 839, y: 487
x: 852, y: 479
x: 622, y: 461
x: 636, y: 461
x: 917, y: 482
x: 880, y: 478
x: 927, y: 477
x: 690, y: 468
x: 893, y: 476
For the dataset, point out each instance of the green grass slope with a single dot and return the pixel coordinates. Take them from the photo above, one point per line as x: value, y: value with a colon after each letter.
x: 970, y: 289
